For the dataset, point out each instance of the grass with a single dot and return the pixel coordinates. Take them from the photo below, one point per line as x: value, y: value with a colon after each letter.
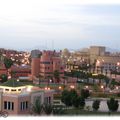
x: 79, y: 112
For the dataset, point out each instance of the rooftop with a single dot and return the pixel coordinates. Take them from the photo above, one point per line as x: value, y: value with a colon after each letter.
x: 13, y: 83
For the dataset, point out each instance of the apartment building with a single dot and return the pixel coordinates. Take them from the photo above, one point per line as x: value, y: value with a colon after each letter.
x: 46, y: 64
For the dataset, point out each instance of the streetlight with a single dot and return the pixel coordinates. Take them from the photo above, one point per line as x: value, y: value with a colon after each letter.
x: 60, y: 87
x: 86, y: 87
x: 72, y: 87
x: 18, y: 80
x: 102, y: 86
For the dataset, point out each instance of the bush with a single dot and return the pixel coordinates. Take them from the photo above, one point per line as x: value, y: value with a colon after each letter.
x: 3, y: 78
x: 113, y: 105
x: 118, y: 94
x: 96, y: 105
x: 68, y: 97
x: 85, y: 93
x: 81, y: 102
x: 48, y: 108
x: 76, y: 102
x: 58, y: 110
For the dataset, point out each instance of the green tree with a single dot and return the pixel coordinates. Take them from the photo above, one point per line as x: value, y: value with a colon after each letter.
x: 81, y: 102
x: 37, y: 107
x: 85, y: 93
x: 48, y: 109
x: 113, y: 105
x: 3, y: 78
x: 76, y: 102
x: 8, y: 63
x: 57, y: 76
x: 96, y: 105
x: 66, y: 98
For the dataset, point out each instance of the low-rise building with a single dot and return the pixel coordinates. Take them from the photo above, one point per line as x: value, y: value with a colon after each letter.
x: 17, y: 98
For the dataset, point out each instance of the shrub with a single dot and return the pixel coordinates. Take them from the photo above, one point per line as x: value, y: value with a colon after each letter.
x: 112, y: 105
x: 96, y: 105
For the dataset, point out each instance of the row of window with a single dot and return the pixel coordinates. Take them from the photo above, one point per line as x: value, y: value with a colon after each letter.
x: 47, y: 62
x: 13, y: 90
x: 49, y: 68
x: 24, y: 105
x: 10, y: 105
x: 47, y: 100
x: 22, y: 72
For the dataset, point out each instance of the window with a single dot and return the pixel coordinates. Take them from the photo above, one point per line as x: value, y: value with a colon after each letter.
x: 12, y: 106
x: 21, y: 106
x: 6, y: 89
x: 8, y: 105
x: 46, y: 100
x: 49, y: 100
x: 46, y: 62
x: 13, y: 90
x: 24, y: 105
x: 5, y: 104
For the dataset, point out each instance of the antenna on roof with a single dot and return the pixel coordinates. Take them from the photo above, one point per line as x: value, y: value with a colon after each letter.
x: 46, y: 44
x: 52, y: 44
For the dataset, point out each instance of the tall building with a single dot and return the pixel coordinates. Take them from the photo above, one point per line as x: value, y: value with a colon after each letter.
x: 46, y: 64
x: 98, y: 57
x: 96, y: 51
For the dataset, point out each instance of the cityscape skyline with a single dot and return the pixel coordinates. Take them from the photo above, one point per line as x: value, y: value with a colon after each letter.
x: 58, y: 25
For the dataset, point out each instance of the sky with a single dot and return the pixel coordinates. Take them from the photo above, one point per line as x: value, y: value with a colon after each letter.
x: 59, y: 24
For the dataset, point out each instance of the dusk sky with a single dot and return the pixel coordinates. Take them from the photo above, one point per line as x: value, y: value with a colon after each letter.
x: 58, y: 24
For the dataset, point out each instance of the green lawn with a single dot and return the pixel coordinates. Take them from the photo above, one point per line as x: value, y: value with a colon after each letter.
x: 79, y: 112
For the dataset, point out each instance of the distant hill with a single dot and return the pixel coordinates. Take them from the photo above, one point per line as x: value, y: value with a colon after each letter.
x: 112, y: 50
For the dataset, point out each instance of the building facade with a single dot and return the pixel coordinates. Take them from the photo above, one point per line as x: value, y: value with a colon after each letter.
x: 46, y: 64
x: 17, y: 99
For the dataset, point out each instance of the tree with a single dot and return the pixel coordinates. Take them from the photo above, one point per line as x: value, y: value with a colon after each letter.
x: 100, y: 77
x: 3, y: 78
x: 73, y: 95
x: 57, y: 75
x: 39, y: 77
x: 113, y: 105
x: 8, y: 63
x: 96, y: 105
x: 76, y: 102
x: 48, y: 109
x: 81, y: 102
x: 37, y: 107
x: 85, y: 93
x: 13, y: 73
x: 66, y: 98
